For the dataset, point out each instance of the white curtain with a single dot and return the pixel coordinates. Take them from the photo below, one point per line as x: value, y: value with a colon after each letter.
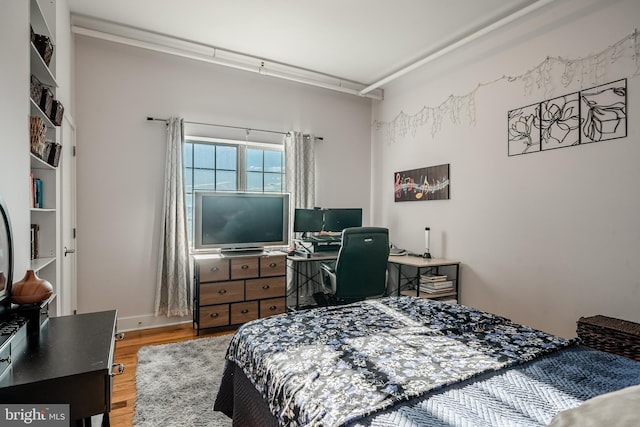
x: 300, y: 177
x: 173, y: 291
x: 300, y: 169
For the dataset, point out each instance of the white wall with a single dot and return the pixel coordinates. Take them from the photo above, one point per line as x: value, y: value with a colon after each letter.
x: 544, y: 238
x: 14, y: 122
x: 120, y: 162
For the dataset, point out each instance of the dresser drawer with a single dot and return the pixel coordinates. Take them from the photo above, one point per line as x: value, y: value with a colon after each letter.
x: 218, y: 293
x: 268, y: 287
x: 244, y: 268
x: 269, y: 307
x: 273, y: 266
x: 242, y: 312
x: 214, y: 269
x: 214, y: 315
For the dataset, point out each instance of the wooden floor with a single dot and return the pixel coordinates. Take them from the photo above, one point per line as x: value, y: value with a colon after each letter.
x: 124, y: 386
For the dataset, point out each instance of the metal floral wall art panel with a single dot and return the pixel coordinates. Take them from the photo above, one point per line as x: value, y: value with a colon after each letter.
x: 430, y: 183
x: 604, y: 112
x: 524, y: 131
x: 591, y: 115
x: 559, y: 122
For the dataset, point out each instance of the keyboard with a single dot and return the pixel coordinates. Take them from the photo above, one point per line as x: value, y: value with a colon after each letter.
x: 326, y: 238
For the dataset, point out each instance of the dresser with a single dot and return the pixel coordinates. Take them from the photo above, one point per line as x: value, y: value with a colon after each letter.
x: 234, y: 289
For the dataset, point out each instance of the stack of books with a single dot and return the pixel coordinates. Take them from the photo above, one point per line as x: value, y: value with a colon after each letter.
x: 435, y: 284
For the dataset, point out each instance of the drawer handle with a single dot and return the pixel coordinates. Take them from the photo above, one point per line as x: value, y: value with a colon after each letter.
x: 272, y: 308
x: 119, y: 336
x: 265, y: 287
x: 213, y: 315
x: 214, y: 269
x: 117, y: 369
x: 245, y: 311
x: 222, y: 291
x: 6, y: 359
x: 273, y: 265
x: 244, y: 266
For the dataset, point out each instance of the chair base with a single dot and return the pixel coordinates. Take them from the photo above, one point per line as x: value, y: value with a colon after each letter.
x: 326, y: 300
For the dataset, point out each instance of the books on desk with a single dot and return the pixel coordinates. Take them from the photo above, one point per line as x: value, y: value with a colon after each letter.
x: 430, y: 278
x: 435, y: 283
x: 437, y: 287
x: 397, y: 251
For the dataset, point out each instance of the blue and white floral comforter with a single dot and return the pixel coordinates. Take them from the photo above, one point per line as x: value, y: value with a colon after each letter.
x: 335, y: 365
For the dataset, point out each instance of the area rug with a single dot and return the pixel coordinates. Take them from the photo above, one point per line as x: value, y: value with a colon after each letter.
x: 177, y: 383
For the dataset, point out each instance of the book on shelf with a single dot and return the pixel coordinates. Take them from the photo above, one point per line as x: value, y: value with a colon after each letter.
x: 38, y: 201
x: 35, y: 241
x: 36, y: 192
x: 35, y: 186
x: 432, y: 277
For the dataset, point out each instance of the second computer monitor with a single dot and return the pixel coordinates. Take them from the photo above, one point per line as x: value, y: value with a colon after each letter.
x: 339, y: 219
x: 307, y: 220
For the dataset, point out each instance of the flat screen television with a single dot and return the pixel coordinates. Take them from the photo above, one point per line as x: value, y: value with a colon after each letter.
x: 308, y: 220
x: 239, y: 221
x: 338, y: 219
x: 6, y: 258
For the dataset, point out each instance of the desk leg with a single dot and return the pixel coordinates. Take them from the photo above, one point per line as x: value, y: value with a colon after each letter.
x: 296, y: 276
x: 458, y: 283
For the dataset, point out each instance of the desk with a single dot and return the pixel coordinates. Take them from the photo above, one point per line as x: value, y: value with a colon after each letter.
x: 70, y: 362
x: 309, y: 275
x: 421, y: 266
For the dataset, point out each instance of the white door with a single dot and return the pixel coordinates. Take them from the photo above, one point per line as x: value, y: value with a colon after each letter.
x: 67, y: 299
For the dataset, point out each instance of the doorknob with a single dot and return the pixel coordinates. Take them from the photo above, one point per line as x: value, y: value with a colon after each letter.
x: 69, y: 251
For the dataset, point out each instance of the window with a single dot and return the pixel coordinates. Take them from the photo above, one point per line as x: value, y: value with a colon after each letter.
x: 226, y: 165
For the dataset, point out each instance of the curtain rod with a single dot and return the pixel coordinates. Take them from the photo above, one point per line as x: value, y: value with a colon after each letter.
x: 233, y: 127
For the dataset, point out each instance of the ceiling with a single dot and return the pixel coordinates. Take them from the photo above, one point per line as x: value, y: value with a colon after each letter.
x: 361, y: 41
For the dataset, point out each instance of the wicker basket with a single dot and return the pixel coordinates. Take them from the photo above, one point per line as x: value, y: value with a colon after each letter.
x: 611, y: 335
x: 57, y: 112
x: 44, y: 47
x: 36, y: 90
x: 46, y: 102
x: 38, y: 131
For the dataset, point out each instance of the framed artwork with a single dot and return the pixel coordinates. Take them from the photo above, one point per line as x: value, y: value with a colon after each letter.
x: 429, y: 183
x: 591, y: 115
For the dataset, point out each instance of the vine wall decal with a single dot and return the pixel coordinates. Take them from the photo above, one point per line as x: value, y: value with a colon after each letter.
x: 587, y: 71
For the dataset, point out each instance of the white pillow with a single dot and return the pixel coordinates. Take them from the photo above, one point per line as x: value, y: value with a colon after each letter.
x: 616, y: 409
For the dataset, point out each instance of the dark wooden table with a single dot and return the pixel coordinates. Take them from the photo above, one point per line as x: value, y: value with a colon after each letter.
x: 69, y: 362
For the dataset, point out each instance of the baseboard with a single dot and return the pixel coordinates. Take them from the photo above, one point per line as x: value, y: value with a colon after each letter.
x: 148, y: 321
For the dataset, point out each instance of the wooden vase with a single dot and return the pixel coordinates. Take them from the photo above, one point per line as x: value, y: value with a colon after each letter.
x: 31, y: 289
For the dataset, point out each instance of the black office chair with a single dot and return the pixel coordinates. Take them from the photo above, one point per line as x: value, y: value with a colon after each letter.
x: 360, y: 271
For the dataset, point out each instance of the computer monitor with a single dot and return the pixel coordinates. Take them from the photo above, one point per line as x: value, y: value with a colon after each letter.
x: 339, y: 219
x: 307, y: 220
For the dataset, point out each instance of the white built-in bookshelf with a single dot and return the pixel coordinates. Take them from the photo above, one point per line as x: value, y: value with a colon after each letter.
x: 45, y: 215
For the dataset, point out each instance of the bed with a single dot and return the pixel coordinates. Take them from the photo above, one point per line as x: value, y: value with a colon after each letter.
x: 407, y: 361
